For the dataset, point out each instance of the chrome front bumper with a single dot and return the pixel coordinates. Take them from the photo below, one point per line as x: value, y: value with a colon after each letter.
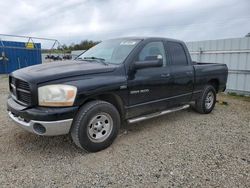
x: 46, y: 128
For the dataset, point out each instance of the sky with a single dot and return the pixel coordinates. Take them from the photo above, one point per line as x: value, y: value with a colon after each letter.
x: 74, y: 20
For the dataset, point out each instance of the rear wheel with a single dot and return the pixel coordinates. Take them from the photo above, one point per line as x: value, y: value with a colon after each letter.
x: 205, y: 104
x: 95, y: 126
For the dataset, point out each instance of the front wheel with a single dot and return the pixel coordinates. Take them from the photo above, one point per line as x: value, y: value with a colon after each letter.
x: 95, y: 126
x: 205, y: 104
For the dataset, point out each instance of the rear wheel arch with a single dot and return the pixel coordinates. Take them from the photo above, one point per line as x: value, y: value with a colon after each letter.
x: 215, y: 83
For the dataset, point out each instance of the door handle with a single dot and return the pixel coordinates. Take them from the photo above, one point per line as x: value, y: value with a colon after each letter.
x: 165, y: 75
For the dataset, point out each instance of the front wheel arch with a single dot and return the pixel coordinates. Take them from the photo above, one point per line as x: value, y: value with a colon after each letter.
x: 111, y: 98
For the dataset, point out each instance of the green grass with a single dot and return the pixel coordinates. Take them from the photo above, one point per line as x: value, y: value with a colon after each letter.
x: 239, y: 96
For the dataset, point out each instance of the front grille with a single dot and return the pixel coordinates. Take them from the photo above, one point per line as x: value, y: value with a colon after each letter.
x: 20, y: 91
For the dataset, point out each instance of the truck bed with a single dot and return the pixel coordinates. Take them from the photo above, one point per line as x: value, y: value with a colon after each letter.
x: 210, y: 71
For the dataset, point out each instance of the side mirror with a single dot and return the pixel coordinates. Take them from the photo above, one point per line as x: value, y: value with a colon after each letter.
x: 150, y: 61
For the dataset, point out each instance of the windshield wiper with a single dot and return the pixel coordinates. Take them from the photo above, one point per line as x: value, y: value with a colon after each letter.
x: 98, y: 59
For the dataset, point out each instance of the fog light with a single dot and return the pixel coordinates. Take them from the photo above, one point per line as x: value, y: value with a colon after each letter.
x: 39, y: 128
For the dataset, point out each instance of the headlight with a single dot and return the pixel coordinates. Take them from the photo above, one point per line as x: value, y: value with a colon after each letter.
x: 56, y: 95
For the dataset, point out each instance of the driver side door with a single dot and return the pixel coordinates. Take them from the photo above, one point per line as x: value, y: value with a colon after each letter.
x: 148, y: 87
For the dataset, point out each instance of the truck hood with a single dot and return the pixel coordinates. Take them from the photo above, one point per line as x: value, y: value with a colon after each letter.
x: 61, y: 69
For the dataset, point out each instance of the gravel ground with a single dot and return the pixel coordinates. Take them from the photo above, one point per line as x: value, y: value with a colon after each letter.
x: 182, y: 149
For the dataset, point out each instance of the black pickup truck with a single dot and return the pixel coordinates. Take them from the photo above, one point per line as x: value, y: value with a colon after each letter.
x: 118, y: 80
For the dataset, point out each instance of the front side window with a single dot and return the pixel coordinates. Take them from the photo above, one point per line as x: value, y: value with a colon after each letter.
x: 112, y: 51
x: 151, y: 51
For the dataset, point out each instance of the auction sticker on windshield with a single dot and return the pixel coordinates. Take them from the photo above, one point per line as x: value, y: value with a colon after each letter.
x: 128, y: 42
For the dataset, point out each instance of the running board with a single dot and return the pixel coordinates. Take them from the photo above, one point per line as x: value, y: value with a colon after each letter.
x: 149, y: 116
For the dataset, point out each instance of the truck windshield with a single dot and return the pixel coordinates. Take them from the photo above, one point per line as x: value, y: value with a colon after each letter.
x: 112, y: 51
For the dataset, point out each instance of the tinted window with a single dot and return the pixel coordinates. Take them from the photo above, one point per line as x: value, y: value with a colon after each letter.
x: 151, y: 51
x: 177, y: 53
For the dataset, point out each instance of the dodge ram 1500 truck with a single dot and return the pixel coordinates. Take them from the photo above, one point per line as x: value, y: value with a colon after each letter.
x: 118, y: 80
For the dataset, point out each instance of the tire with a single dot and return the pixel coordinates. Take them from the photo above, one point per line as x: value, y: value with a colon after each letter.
x: 95, y: 126
x: 202, y: 104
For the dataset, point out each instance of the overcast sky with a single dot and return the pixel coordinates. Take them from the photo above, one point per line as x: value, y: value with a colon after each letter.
x: 75, y: 20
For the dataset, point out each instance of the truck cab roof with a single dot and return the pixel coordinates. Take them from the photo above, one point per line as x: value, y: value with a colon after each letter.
x: 148, y: 38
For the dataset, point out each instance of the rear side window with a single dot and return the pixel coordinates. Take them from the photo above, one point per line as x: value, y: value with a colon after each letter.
x: 176, y: 52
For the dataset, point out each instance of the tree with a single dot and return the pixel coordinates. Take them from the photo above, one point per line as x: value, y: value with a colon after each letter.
x: 247, y: 35
x: 83, y: 45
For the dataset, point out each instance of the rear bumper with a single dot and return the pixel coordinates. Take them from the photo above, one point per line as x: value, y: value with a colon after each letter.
x: 41, y: 120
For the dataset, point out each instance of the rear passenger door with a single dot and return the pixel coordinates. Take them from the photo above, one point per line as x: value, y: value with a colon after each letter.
x: 181, y: 72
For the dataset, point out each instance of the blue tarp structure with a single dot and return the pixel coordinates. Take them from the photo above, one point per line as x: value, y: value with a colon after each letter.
x: 16, y: 55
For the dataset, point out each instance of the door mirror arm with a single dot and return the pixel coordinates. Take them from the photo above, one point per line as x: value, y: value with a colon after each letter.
x: 147, y: 64
x: 142, y: 65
